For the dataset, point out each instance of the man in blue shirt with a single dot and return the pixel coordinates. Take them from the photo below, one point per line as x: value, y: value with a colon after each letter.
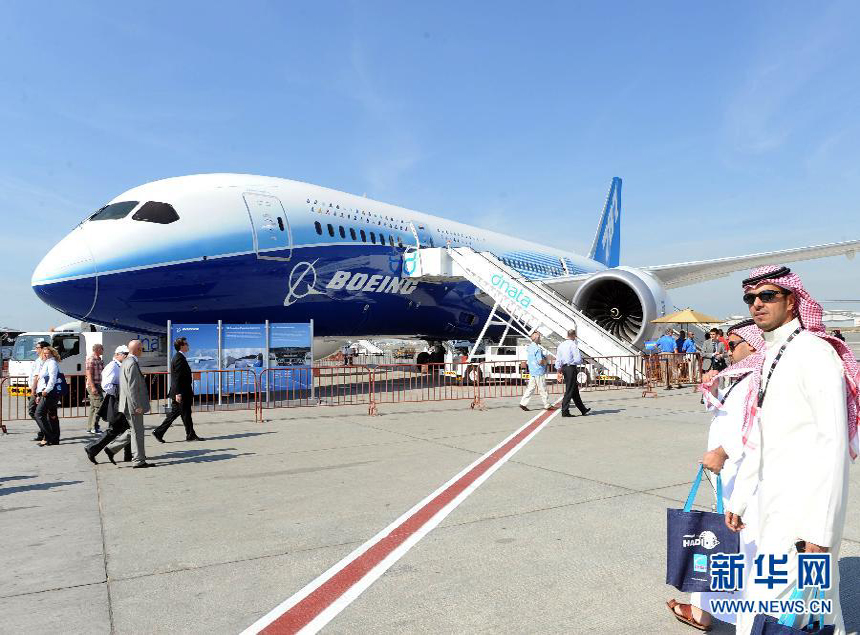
x: 666, y: 344
x: 537, y: 373
x: 667, y: 347
x: 689, y: 345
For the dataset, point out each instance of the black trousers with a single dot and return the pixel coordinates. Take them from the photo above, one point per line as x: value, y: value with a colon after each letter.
x: 571, y: 389
x: 116, y: 420
x: 178, y: 409
x: 31, y: 410
x: 46, y: 417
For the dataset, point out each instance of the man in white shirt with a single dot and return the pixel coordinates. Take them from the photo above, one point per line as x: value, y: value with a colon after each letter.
x: 32, y: 380
x: 567, y: 359
x: 109, y: 411
x: 800, y: 432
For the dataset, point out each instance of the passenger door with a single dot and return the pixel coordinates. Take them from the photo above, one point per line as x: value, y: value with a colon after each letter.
x: 270, y: 227
x: 423, y: 239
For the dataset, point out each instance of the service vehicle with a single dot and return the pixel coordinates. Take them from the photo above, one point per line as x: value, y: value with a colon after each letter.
x: 74, y: 346
x: 506, y: 362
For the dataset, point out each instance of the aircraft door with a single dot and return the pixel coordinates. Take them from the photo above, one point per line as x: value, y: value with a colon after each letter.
x: 422, y: 235
x: 423, y: 239
x: 270, y: 227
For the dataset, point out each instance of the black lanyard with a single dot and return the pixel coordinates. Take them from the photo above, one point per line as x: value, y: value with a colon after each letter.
x: 731, y: 388
x: 762, y: 391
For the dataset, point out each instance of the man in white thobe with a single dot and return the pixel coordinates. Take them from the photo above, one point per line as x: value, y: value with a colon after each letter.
x: 724, y: 456
x: 798, y: 450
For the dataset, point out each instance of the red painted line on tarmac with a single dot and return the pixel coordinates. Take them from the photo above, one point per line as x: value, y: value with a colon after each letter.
x: 301, y: 614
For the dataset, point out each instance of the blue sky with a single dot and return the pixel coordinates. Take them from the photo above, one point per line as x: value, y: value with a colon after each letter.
x: 736, y: 127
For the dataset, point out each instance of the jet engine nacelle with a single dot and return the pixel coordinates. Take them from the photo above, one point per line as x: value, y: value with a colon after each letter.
x: 623, y: 301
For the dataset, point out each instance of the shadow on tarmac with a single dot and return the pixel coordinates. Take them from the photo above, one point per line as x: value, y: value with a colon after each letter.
x: 87, y: 439
x: 238, y: 435
x: 197, y: 456
x: 36, y: 486
x: 3, y: 479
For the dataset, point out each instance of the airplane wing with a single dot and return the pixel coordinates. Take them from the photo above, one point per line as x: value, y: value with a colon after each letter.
x: 686, y: 273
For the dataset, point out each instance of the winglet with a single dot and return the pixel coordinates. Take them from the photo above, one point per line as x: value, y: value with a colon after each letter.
x: 606, y: 247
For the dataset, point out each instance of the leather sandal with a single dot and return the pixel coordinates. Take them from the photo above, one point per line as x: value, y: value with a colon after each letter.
x: 686, y: 615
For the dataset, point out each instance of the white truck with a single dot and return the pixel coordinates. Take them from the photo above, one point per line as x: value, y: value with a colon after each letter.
x: 505, y: 362
x: 74, y: 346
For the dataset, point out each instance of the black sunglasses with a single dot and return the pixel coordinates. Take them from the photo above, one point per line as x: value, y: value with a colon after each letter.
x: 767, y: 296
x: 733, y: 345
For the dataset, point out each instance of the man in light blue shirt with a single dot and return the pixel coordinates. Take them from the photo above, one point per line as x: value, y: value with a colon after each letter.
x: 537, y: 373
x: 567, y: 358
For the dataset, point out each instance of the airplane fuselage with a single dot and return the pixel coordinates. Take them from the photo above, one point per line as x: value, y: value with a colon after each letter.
x: 242, y: 248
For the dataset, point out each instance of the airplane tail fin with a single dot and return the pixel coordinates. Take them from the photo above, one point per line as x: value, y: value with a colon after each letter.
x: 606, y: 247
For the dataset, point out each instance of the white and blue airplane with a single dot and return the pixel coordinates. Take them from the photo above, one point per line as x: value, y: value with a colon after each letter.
x: 244, y: 249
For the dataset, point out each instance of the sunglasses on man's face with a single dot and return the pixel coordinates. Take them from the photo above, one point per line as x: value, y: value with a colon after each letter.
x: 767, y: 296
x: 733, y: 345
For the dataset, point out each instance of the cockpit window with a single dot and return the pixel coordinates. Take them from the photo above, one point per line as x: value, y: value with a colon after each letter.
x: 152, y: 212
x: 114, y: 211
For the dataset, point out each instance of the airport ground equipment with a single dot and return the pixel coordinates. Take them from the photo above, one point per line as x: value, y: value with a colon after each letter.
x: 529, y: 304
x: 74, y: 346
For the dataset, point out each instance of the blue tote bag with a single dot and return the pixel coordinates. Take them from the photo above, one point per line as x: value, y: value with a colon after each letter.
x: 692, y: 536
x: 767, y: 625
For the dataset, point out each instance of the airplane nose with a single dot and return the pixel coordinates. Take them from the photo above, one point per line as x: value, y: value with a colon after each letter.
x: 66, y: 278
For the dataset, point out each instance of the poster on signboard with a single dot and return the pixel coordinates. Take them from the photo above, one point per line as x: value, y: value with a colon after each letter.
x: 289, y: 345
x: 243, y: 346
x: 202, y: 344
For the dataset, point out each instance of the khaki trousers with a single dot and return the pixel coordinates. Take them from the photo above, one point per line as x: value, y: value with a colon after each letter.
x: 539, y: 382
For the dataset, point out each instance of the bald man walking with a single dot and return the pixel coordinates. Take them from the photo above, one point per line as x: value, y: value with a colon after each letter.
x: 133, y: 403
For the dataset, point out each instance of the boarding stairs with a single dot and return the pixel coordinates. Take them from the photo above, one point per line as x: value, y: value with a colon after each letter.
x: 531, y: 305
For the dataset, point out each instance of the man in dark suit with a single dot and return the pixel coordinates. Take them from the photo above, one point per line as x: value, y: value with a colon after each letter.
x: 181, y: 394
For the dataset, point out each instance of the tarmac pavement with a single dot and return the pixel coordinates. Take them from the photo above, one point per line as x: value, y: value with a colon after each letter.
x: 568, y: 536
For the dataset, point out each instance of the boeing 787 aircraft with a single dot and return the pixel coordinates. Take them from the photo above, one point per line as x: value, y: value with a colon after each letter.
x: 243, y: 248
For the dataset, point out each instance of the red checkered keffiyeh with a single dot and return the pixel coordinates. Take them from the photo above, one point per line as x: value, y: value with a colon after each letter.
x: 810, y: 314
x: 752, y: 335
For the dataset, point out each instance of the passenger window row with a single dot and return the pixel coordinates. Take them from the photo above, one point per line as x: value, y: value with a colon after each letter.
x: 381, y: 220
x: 361, y: 235
x: 524, y: 265
x: 457, y: 236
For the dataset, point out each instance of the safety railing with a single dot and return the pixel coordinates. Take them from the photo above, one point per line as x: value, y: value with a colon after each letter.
x: 14, y: 399
x: 508, y: 378
x: 236, y: 389
x: 371, y: 386
x: 395, y: 383
x: 673, y: 369
x: 4, y: 384
x: 319, y: 386
x: 214, y: 390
